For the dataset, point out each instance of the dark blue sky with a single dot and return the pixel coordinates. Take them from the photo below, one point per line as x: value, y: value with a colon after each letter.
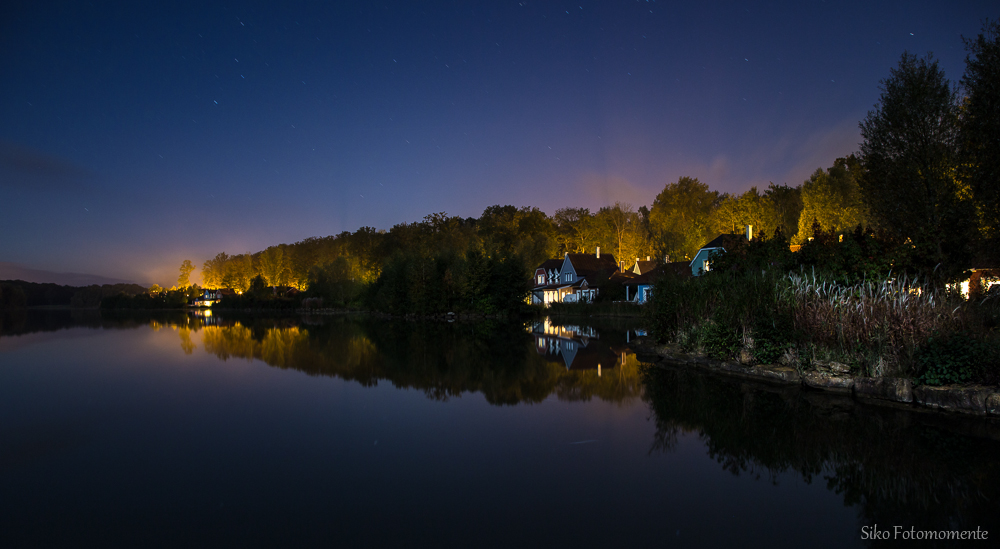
x: 136, y: 135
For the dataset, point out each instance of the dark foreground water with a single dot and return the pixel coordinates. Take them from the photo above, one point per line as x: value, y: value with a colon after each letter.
x: 223, y: 431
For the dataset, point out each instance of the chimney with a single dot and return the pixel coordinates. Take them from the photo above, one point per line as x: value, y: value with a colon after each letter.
x: 598, y: 252
x: 749, y: 232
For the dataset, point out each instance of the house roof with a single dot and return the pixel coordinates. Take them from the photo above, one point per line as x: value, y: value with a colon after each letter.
x: 550, y: 264
x: 678, y: 268
x: 642, y: 267
x: 590, y: 264
x: 624, y: 277
x: 723, y: 241
x: 648, y: 277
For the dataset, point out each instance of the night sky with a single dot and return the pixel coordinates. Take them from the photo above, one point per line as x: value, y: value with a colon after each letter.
x: 136, y: 135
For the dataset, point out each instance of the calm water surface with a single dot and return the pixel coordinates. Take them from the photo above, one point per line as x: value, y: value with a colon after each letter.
x: 180, y: 430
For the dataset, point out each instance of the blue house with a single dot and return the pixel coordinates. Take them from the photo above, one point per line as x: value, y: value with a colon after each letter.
x: 702, y: 260
x: 638, y: 289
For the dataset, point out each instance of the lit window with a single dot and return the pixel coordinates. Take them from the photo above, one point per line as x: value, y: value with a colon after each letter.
x: 704, y: 266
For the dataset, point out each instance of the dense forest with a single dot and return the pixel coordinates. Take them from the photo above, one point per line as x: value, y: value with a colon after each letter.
x: 15, y: 294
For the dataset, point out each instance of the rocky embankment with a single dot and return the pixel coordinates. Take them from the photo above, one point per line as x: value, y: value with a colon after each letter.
x: 836, y: 377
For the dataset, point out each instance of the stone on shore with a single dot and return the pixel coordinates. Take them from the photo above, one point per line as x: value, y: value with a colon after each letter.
x: 993, y: 404
x: 778, y: 373
x: 828, y: 382
x: 889, y: 388
x: 969, y: 399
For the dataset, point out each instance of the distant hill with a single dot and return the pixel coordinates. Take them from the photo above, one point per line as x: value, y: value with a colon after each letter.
x: 13, y: 271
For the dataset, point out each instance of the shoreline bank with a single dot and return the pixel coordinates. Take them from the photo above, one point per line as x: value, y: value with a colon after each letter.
x: 968, y: 399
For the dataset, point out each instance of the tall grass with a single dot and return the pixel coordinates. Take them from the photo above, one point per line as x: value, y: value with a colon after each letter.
x: 877, y: 325
x: 896, y: 326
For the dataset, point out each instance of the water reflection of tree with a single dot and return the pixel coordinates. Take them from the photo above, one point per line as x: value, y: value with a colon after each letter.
x: 26, y: 321
x: 897, y: 466
x: 443, y: 360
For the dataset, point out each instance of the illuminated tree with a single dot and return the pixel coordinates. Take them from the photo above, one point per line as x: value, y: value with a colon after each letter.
x: 239, y: 272
x: 184, y: 280
x: 366, y: 243
x: 576, y: 230
x: 755, y: 209
x: 910, y: 158
x: 679, y: 218
x: 726, y: 214
x: 733, y: 213
x: 832, y: 199
x: 623, y: 232
x: 272, y: 266
x: 213, y: 271
x: 787, y: 204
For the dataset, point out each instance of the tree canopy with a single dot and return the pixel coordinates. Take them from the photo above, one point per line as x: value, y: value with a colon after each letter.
x: 980, y: 130
x: 909, y: 158
x: 184, y: 280
x: 679, y: 218
x: 832, y: 198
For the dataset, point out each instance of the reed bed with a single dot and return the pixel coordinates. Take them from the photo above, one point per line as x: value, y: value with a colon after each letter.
x: 877, y: 325
x: 898, y: 326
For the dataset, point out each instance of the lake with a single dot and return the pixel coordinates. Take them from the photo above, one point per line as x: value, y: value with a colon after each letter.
x: 180, y: 429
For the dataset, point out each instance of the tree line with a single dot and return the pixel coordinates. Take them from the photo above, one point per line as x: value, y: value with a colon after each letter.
x: 924, y: 183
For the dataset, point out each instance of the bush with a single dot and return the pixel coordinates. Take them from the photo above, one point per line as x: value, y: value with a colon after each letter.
x: 725, y: 312
x: 847, y: 258
x: 719, y: 341
x: 958, y: 358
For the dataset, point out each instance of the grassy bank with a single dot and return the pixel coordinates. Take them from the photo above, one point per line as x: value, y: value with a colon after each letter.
x: 887, y: 327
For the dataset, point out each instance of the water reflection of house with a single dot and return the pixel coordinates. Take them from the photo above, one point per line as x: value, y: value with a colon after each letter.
x: 205, y: 317
x: 576, y: 347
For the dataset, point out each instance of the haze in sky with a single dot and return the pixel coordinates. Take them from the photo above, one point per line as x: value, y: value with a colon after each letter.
x: 135, y: 135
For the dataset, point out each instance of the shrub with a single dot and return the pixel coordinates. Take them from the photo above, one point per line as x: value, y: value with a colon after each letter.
x: 958, y: 358
x: 724, y: 312
x: 720, y: 341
